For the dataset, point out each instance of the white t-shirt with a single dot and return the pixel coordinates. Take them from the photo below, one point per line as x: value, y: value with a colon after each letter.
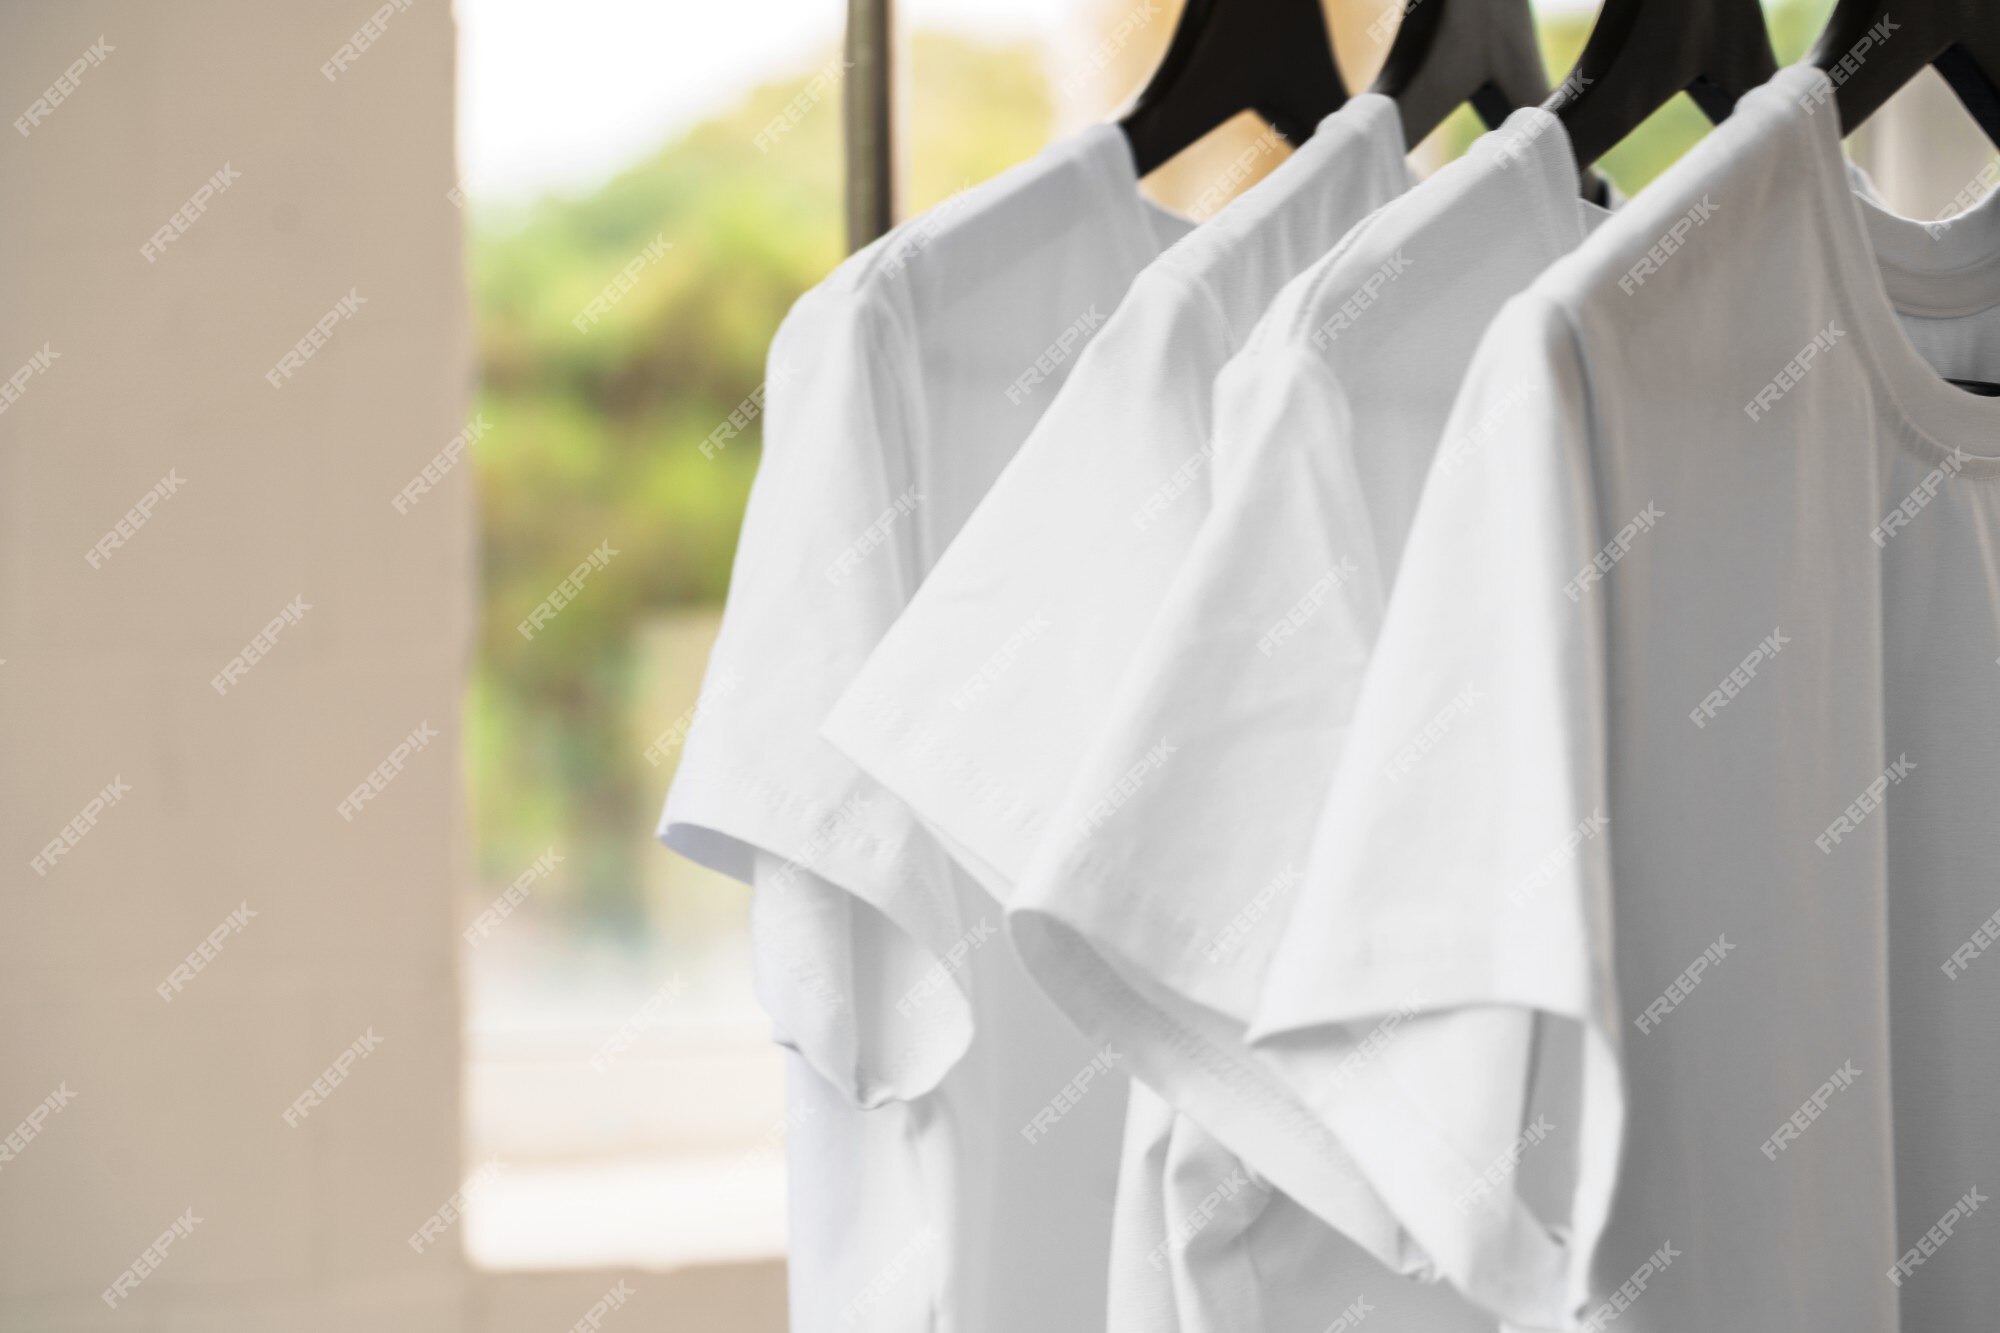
x: 855, y: 1199
x: 1151, y: 910
x: 891, y: 406
x: 976, y: 707
x: 1202, y: 1243
x: 1684, y: 728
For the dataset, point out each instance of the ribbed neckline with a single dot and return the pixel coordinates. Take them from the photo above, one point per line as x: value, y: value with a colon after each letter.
x: 1885, y: 264
x: 1531, y: 147
x: 1537, y: 139
x: 1148, y: 229
x: 1355, y: 150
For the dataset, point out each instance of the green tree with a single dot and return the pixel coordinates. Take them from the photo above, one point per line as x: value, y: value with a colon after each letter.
x: 594, y: 435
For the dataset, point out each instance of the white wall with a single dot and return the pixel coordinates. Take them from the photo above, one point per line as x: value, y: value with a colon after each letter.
x: 283, y: 493
x: 277, y: 493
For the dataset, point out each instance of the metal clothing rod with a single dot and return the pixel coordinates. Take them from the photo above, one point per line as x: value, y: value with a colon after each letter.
x: 865, y: 104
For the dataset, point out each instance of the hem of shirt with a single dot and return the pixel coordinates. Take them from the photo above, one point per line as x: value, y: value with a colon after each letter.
x: 1217, y: 1085
x: 722, y: 834
x: 1500, y: 1255
x: 988, y: 828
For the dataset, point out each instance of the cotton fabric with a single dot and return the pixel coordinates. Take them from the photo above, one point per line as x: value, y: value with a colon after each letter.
x: 888, y: 412
x: 1680, y: 743
x: 975, y: 707
x: 1151, y: 910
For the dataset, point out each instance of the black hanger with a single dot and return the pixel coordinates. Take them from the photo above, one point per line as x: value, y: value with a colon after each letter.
x: 1642, y: 52
x: 1273, y: 57
x: 1448, y: 52
x: 1871, y: 48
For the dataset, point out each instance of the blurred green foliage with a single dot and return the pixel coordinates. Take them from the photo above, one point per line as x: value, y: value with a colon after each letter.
x: 594, y: 435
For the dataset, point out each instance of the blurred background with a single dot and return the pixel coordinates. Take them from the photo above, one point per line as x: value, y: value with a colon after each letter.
x: 600, y: 434
x: 575, y: 1088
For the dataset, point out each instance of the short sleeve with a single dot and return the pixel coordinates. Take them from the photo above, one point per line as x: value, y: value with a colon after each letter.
x: 1149, y: 911
x: 1185, y: 829
x: 860, y: 915
x: 1457, y: 892
x: 976, y: 706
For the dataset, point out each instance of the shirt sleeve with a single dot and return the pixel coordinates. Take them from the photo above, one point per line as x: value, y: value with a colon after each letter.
x: 1150, y: 910
x: 976, y: 707
x: 856, y: 922
x: 1458, y: 889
